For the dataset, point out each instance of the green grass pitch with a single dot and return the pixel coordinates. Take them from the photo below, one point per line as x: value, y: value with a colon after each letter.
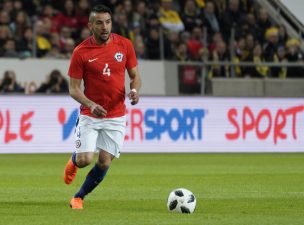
x: 231, y: 189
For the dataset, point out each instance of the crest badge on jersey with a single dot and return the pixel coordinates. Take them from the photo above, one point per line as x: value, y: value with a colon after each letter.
x: 78, y: 143
x: 118, y: 56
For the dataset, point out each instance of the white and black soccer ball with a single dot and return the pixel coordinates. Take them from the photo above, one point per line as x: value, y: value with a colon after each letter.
x: 181, y: 200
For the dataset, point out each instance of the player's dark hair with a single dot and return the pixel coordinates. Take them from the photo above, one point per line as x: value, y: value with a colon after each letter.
x: 100, y: 9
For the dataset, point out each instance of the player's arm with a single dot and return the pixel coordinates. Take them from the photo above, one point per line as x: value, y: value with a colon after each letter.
x: 77, y: 94
x: 135, y: 85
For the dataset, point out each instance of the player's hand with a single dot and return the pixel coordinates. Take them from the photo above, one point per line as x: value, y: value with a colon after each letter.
x: 133, y: 96
x: 98, y: 110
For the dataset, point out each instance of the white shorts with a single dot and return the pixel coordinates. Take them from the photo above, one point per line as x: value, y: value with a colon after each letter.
x: 92, y: 134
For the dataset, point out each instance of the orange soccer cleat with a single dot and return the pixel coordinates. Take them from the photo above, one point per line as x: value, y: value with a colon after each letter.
x: 69, y: 172
x: 76, y: 203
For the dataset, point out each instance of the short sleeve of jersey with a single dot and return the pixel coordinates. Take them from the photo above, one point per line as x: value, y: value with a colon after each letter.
x: 76, y: 66
x: 131, y: 56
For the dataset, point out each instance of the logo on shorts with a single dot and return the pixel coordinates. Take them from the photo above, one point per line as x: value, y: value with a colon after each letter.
x: 119, y: 56
x: 78, y: 143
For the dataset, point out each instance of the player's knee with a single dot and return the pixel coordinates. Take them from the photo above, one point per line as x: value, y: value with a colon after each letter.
x: 83, y: 161
x: 104, y: 164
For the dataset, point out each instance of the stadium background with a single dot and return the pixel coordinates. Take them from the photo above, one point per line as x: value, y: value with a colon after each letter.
x: 218, y: 76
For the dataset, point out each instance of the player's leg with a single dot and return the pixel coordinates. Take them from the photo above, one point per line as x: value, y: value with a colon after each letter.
x: 96, y: 174
x: 109, y: 143
x: 85, y: 144
x: 78, y: 160
x: 94, y: 177
x: 84, y: 159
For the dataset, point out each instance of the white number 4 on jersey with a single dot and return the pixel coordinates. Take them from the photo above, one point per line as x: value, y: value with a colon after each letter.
x: 106, y: 70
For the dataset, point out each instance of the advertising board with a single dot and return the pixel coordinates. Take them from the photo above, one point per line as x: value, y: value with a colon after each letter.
x: 45, y: 124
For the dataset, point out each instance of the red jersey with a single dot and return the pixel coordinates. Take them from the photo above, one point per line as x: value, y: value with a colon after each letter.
x: 102, y: 68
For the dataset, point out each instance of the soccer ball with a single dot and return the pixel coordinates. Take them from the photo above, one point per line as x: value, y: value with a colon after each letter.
x: 181, y: 200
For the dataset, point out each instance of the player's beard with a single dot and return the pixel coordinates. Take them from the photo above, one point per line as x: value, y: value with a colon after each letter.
x: 103, y: 37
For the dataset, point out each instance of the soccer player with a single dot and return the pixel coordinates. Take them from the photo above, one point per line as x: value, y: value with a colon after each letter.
x: 100, y: 62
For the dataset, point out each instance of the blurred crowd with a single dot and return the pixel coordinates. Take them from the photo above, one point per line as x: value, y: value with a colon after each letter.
x: 182, y: 30
x: 55, y: 83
